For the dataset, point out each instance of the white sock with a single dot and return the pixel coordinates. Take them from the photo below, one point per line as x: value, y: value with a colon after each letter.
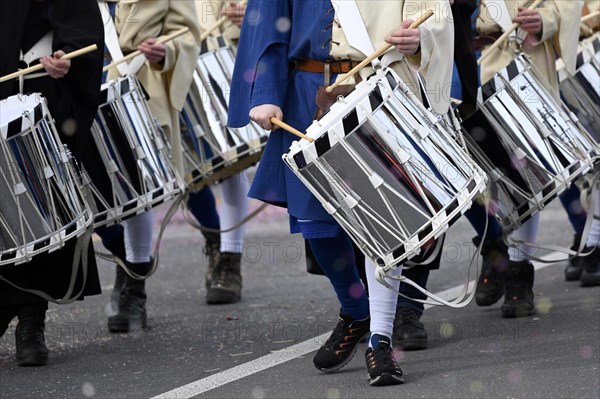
x: 138, y: 237
x: 594, y: 236
x: 382, y: 301
x: 234, y: 207
x: 528, y: 233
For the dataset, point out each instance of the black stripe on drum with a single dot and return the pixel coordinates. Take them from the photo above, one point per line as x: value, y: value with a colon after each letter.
x: 596, y: 44
x: 129, y: 207
x: 375, y: 98
x: 300, y: 160
x: 380, y: 261
x: 452, y: 207
x: 14, y: 127
x: 158, y: 193
x: 471, y: 186
x: 391, y: 79
x: 523, y: 209
x: 488, y: 89
x: 398, y: 252
x: 350, y: 122
x: 454, y: 219
x: 580, y: 60
x: 195, y: 174
x: 39, y: 245
x: 217, y: 160
x: 264, y: 139
x: 322, y: 144
x: 71, y: 229
x: 428, y: 230
x: 575, y: 167
x: 243, y: 148
x: 38, y: 113
x: 221, y: 41
x: 513, y: 70
x: 9, y: 255
x: 124, y: 86
x: 101, y: 217
x: 203, y: 47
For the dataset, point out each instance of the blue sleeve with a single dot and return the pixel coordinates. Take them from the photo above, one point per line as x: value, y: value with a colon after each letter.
x: 261, y: 66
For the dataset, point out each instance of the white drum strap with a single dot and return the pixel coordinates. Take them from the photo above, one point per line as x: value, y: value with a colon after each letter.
x: 42, y: 48
x: 498, y: 11
x: 111, y: 39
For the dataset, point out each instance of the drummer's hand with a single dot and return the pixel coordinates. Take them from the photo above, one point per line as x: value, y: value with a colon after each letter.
x: 235, y: 13
x: 56, y: 67
x: 155, y: 52
x: 405, y: 40
x: 262, y: 114
x: 530, y: 20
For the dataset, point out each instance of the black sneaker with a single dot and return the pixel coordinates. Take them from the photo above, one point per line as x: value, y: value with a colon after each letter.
x: 409, y: 333
x: 490, y: 285
x: 341, y: 345
x: 590, y: 276
x: 518, y: 279
x: 383, y: 369
x: 575, y: 265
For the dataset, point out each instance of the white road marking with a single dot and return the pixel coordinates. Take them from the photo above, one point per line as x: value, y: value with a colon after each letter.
x: 284, y: 355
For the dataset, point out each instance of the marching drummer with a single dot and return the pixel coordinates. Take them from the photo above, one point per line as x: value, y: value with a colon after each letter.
x: 166, y: 75
x: 312, y: 40
x: 223, y: 276
x: 540, y: 29
x: 72, y: 90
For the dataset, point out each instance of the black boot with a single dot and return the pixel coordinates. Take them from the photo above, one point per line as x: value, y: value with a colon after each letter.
x: 131, y: 313
x: 226, y: 286
x: 117, y: 248
x: 518, y: 280
x: 574, y: 267
x: 590, y: 276
x: 409, y: 333
x: 212, y: 251
x: 29, y: 335
x: 490, y: 285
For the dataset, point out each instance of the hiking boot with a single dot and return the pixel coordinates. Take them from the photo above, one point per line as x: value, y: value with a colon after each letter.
x: 490, y: 286
x: 226, y: 285
x: 341, y: 345
x: 590, y: 276
x: 131, y: 309
x: 575, y: 265
x: 383, y: 369
x: 518, y: 280
x: 212, y: 251
x: 29, y: 336
x: 409, y: 333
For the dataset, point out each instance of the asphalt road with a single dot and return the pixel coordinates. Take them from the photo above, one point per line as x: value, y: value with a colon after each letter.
x: 473, y: 351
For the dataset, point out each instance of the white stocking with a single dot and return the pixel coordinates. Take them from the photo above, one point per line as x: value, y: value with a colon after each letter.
x: 234, y: 207
x: 138, y: 237
x: 382, y: 300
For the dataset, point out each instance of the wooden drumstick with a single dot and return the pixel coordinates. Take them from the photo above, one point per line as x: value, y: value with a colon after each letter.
x: 217, y: 24
x: 285, y: 126
x: 38, y: 67
x: 590, y: 16
x: 505, y: 35
x: 135, y: 53
x: 377, y: 53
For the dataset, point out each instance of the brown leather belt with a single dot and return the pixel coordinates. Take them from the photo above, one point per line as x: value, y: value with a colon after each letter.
x: 480, y: 42
x: 343, y: 66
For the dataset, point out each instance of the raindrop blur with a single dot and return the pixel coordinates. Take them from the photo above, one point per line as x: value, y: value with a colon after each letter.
x: 88, y: 390
x: 258, y: 393
x: 283, y: 24
x: 333, y: 393
x: 69, y: 127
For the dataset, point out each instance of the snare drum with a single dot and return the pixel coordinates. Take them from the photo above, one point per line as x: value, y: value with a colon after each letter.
x: 138, y: 173
x: 531, y: 148
x: 212, y: 151
x: 41, y: 206
x: 581, y: 91
x: 386, y: 170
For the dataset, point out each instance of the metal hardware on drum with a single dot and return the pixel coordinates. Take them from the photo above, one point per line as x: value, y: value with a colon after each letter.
x: 137, y: 172
x: 41, y: 206
x: 386, y: 170
x: 212, y: 151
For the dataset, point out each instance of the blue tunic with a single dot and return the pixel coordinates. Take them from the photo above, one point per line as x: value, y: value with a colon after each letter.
x: 273, y: 36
